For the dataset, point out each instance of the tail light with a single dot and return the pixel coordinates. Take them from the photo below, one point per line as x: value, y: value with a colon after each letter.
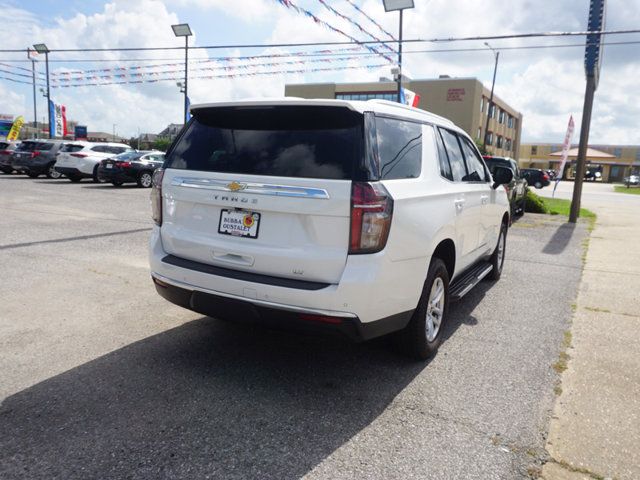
x: 5, y: 152
x: 156, y: 196
x: 35, y: 153
x: 371, y: 212
x: 122, y: 164
x: 79, y: 155
x: 545, y: 177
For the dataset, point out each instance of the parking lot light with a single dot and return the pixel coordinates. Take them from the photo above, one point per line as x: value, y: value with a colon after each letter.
x: 183, y: 30
x: 42, y: 48
x: 391, y: 6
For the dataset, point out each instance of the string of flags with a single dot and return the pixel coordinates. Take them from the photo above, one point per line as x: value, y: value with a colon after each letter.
x: 289, y: 4
x: 350, y: 2
x: 222, y: 76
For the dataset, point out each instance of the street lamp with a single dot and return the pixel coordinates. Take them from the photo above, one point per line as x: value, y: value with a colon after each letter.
x: 183, y: 30
x: 42, y: 48
x: 30, y: 56
x: 496, y: 53
x: 401, y: 5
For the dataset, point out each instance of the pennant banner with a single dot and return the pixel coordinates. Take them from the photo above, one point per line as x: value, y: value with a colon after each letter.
x: 58, y: 126
x: 565, y: 153
x: 15, y: 128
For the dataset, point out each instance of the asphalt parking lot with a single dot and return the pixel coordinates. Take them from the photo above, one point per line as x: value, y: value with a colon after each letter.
x: 101, y: 378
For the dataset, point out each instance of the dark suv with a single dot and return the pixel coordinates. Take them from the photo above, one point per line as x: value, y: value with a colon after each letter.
x: 517, y: 188
x: 36, y: 157
x: 537, y: 178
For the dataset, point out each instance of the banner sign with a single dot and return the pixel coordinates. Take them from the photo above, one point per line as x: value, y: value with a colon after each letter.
x: 58, y: 127
x: 15, y: 128
x: 409, y: 98
x: 565, y: 153
x: 80, y: 132
x: 5, y: 127
x: 593, y: 50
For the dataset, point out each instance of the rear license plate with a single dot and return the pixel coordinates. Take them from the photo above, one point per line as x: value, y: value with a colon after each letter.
x: 239, y: 223
x: 109, y: 165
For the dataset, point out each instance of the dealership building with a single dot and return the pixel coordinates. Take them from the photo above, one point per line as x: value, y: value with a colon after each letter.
x: 465, y: 101
x: 614, y: 162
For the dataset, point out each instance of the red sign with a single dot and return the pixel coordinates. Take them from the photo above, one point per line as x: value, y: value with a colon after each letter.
x: 455, y: 95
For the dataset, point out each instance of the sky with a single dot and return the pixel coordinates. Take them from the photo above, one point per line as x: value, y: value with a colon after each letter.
x: 546, y: 85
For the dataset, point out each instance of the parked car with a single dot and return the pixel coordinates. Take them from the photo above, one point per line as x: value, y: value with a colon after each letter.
x: 536, y: 177
x: 363, y: 218
x: 6, y: 149
x: 593, y: 173
x: 131, y: 167
x: 38, y: 157
x: 517, y: 188
x: 78, y: 160
x: 633, y: 179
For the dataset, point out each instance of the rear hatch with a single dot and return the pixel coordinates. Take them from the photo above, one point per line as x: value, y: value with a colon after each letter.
x: 265, y: 189
x: 65, y: 156
x: 24, y: 153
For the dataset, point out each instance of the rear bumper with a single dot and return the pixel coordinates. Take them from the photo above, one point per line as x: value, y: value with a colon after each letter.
x: 116, y: 175
x: 72, y: 172
x: 372, y: 288
x: 280, y: 316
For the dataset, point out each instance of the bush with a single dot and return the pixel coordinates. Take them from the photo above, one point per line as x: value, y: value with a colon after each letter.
x: 534, y: 204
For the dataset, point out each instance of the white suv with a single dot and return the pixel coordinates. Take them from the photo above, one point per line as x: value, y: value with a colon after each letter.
x: 78, y: 160
x: 364, y: 218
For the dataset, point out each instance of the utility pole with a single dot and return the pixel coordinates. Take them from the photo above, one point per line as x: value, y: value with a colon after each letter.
x: 592, y: 63
x: 33, y: 79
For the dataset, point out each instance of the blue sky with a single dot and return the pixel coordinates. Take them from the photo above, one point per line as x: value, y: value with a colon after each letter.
x: 545, y: 85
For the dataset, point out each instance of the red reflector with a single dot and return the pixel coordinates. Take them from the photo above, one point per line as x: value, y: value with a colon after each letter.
x: 160, y: 283
x: 320, y: 318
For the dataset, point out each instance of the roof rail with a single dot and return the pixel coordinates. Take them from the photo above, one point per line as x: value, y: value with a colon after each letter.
x: 389, y: 103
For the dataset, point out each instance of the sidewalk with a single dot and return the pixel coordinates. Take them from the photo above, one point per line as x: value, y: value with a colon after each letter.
x: 595, y: 429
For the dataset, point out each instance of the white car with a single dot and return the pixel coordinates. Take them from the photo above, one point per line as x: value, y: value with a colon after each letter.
x: 363, y: 218
x: 78, y: 160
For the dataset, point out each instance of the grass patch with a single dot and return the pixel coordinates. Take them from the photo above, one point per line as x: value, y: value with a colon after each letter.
x: 600, y: 310
x: 559, y: 206
x: 623, y: 189
x: 562, y: 363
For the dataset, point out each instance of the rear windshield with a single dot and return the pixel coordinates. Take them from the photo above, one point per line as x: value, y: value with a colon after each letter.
x: 27, y: 146
x: 128, y: 156
x: 3, y: 145
x: 288, y: 141
x: 45, y: 146
x: 71, y: 147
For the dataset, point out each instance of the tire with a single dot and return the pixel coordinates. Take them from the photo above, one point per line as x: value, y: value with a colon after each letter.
x: 53, y: 173
x: 7, y: 171
x: 538, y: 185
x: 144, y: 179
x: 497, y: 258
x: 95, y: 175
x: 421, y: 338
x: 116, y: 184
x: 75, y: 178
x: 33, y: 175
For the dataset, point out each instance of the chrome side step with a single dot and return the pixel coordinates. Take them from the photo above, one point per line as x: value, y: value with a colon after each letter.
x: 463, y: 285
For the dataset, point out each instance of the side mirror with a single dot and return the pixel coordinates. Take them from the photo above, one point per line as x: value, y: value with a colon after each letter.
x: 502, y: 176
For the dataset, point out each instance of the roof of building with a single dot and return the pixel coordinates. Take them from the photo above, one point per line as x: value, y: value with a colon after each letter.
x: 591, y: 153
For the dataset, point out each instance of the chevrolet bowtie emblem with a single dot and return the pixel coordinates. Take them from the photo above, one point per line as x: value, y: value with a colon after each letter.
x: 235, y: 186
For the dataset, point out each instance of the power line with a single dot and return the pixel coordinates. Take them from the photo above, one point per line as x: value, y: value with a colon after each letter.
x: 370, y: 19
x: 355, y: 42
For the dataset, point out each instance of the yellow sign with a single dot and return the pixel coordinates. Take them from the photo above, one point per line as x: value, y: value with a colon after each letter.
x: 15, y: 128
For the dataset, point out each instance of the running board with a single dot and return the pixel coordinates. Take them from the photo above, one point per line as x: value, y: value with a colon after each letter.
x: 468, y: 280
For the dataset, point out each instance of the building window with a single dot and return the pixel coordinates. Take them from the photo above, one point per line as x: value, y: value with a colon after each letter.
x: 617, y: 152
x: 510, y: 121
x: 638, y: 155
x: 507, y: 145
x: 489, y: 139
x: 367, y: 96
x: 492, y: 111
x: 479, y: 136
x: 555, y: 148
x: 501, y: 116
x: 499, y: 141
x: 534, y: 149
x: 482, y: 104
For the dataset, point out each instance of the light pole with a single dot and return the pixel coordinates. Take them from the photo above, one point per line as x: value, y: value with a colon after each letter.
x: 113, y: 135
x: 496, y: 54
x: 33, y: 79
x: 400, y: 5
x: 42, y: 48
x: 183, y: 30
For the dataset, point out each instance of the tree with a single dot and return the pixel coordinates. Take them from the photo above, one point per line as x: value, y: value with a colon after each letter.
x: 481, y: 147
x: 161, y: 144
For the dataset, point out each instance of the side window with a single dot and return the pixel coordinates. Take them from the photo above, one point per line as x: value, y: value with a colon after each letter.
x: 456, y: 160
x: 100, y: 148
x: 399, y: 148
x: 475, y: 166
x: 445, y: 167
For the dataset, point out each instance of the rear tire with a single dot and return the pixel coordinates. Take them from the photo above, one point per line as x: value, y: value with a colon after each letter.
x: 95, y: 175
x: 497, y: 258
x: 116, y: 184
x: 538, y: 185
x: 145, y: 179
x: 75, y: 178
x: 33, y: 175
x: 421, y: 338
x: 53, y: 173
